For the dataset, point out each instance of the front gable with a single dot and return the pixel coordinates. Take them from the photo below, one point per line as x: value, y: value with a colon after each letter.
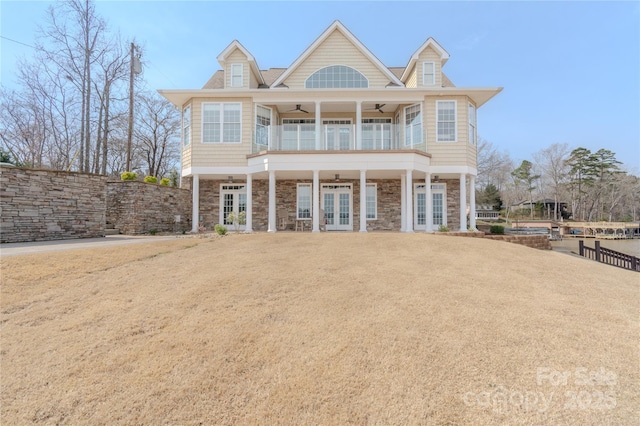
x: 337, y: 46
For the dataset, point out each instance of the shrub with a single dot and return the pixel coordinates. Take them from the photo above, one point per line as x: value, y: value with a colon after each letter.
x: 165, y: 181
x: 128, y: 176
x: 496, y: 230
x: 153, y: 231
x: 151, y: 179
x: 220, y: 229
x: 443, y: 228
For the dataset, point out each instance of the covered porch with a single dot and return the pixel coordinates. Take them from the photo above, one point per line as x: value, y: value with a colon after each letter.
x: 357, y: 191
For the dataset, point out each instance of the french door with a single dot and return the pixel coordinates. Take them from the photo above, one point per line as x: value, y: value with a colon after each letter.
x: 337, y: 203
x: 438, y: 200
x: 337, y: 134
x: 233, y: 199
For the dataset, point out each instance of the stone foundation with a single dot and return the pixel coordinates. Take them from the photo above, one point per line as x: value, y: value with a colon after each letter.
x: 388, y: 205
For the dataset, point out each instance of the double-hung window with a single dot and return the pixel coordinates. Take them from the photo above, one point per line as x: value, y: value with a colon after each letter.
x: 413, y: 125
x: 304, y: 201
x: 236, y: 75
x: 186, y: 125
x: 446, y: 116
x: 221, y: 122
x: 372, y: 201
x: 428, y: 73
x: 472, y: 125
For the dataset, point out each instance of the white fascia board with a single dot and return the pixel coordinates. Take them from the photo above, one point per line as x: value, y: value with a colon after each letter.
x: 339, y: 161
x: 204, y: 170
x: 480, y: 95
x: 336, y: 25
x: 467, y: 170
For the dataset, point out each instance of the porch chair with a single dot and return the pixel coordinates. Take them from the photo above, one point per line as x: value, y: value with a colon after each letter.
x: 323, y: 221
x: 283, y: 219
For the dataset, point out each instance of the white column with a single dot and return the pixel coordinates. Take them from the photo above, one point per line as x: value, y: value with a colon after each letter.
x: 403, y: 202
x: 272, y: 202
x: 463, y: 202
x: 315, y: 201
x: 318, y: 126
x: 409, y: 201
x: 359, y: 125
x: 248, y: 228
x: 363, y: 201
x: 472, y: 203
x: 429, y: 203
x: 195, y: 203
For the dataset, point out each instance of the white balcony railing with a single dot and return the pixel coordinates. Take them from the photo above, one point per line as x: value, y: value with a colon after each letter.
x: 333, y: 137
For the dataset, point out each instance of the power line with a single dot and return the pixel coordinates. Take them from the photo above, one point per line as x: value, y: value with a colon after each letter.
x: 16, y: 41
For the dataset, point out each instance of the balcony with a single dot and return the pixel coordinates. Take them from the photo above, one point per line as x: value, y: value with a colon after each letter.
x: 333, y: 137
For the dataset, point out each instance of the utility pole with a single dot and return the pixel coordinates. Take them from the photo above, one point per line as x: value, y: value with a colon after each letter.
x: 135, y: 68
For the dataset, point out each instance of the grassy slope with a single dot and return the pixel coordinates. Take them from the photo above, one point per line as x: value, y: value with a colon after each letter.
x: 328, y: 328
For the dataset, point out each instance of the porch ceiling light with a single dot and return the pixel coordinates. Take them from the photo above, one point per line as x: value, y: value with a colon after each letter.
x: 436, y: 178
x: 337, y: 176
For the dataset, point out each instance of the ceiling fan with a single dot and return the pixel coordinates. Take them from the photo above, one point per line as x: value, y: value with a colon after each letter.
x: 298, y: 108
x: 378, y: 107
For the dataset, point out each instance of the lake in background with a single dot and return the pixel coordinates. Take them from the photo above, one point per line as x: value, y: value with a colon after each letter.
x: 630, y: 246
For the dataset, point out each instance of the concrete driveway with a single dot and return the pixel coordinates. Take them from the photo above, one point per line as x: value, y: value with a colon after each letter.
x: 16, y: 249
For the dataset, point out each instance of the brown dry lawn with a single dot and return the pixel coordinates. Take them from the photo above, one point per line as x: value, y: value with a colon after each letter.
x: 318, y: 329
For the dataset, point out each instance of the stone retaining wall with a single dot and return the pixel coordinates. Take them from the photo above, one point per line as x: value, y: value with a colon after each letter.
x: 41, y: 205
x: 136, y: 207
x: 540, y: 242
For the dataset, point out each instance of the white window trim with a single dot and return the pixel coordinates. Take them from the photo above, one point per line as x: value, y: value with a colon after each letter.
x: 443, y: 191
x: 236, y: 75
x: 202, y: 123
x: 186, y: 110
x: 433, y: 74
x: 310, y: 186
x: 229, y: 188
x: 404, y: 125
x: 455, y: 120
x: 255, y: 115
x: 336, y: 65
x: 375, y: 205
x: 473, y: 123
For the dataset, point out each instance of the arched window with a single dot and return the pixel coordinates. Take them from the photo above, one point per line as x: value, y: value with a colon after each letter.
x: 336, y: 77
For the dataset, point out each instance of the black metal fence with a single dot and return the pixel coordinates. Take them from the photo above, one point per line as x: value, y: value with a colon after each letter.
x: 610, y: 257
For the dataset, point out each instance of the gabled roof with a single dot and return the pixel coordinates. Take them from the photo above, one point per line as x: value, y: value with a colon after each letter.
x: 235, y: 44
x: 337, y: 26
x: 444, y: 56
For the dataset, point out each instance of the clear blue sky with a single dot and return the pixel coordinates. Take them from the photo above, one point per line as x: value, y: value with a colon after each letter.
x: 570, y: 70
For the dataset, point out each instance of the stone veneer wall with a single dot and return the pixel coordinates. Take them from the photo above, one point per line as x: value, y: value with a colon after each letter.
x: 540, y: 242
x: 41, y: 205
x: 389, y: 210
x: 136, y: 207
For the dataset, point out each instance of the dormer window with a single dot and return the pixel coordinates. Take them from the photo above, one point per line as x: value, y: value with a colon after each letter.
x: 236, y: 75
x: 336, y: 77
x: 428, y: 73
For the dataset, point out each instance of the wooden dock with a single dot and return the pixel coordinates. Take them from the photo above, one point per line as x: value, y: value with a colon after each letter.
x: 603, y: 230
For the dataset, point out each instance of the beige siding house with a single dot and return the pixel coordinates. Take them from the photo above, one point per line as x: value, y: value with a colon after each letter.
x: 337, y: 141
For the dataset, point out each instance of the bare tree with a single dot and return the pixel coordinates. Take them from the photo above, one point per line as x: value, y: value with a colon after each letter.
x: 75, y: 42
x: 494, y: 167
x: 113, y: 69
x: 157, y: 134
x: 552, y: 164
